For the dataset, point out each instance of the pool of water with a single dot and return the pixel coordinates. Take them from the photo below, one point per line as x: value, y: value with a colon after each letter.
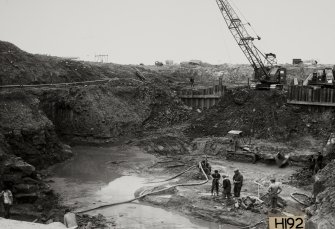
x: 96, y: 176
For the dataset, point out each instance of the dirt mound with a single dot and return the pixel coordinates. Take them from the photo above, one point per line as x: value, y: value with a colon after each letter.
x: 20, y: 67
x: 260, y: 114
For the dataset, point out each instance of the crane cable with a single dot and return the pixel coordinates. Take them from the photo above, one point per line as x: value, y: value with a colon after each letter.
x: 245, y: 19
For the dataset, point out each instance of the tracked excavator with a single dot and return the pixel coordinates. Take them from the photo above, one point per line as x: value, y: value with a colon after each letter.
x: 267, y: 74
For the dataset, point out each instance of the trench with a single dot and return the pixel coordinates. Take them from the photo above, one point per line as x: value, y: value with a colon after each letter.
x: 100, y: 175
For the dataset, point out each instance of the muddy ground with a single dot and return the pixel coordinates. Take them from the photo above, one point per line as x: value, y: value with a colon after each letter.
x: 196, y: 201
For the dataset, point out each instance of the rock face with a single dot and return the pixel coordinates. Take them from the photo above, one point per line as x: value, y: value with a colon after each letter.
x: 27, y: 141
x: 324, y: 190
x: 32, y: 120
x: 104, y: 112
x: 28, y: 132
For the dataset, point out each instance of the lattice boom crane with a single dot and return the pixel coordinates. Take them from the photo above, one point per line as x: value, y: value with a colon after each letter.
x: 266, y: 72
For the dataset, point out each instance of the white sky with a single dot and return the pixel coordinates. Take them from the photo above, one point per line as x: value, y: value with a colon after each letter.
x: 142, y: 31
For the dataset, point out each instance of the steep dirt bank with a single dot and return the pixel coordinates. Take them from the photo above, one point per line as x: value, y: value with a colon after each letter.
x: 20, y: 67
x: 28, y: 132
x: 323, y: 213
x: 33, y: 120
x: 101, y: 113
x: 27, y: 142
x: 262, y: 115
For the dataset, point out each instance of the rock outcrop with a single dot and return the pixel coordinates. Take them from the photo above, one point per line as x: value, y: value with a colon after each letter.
x: 324, y: 190
x: 28, y: 132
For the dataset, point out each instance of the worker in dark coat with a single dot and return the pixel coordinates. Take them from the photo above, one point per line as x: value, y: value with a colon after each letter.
x: 238, y: 182
x: 312, y: 162
x: 226, y: 185
x: 318, y: 162
x: 206, y: 167
x: 215, y: 183
x: 192, y: 81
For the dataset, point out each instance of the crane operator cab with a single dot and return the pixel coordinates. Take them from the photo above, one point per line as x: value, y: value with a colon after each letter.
x: 269, y: 75
x: 322, y: 78
x: 273, y: 77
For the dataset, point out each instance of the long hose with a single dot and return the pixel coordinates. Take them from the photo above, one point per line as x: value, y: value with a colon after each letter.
x: 171, y: 178
x: 153, y: 192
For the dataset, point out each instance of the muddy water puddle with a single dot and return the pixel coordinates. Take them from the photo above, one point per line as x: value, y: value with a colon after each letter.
x: 96, y: 176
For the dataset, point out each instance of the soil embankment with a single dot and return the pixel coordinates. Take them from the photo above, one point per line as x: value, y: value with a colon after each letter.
x: 34, y: 120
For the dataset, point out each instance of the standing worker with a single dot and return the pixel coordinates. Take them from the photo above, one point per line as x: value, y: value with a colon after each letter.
x: 7, y: 201
x: 215, y: 183
x: 192, y: 81
x: 206, y: 166
x: 238, y: 182
x: 274, y: 190
x: 226, y: 193
x: 311, y: 161
x: 319, y: 160
x: 70, y: 219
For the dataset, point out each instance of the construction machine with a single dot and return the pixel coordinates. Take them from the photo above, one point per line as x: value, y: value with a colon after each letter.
x: 238, y: 149
x: 321, y: 78
x: 267, y: 74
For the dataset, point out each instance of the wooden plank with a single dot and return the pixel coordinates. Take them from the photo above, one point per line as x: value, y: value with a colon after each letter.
x: 289, y: 91
x: 310, y: 91
x: 323, y: 97
x: 199, y: 96
x: 311, y: 103
x: 304, y: 93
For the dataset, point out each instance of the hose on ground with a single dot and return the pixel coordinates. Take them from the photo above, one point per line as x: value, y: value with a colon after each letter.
x: 171, y: 178
x: 254, y: 225
x: 151, y: 193
x: 300, y: 202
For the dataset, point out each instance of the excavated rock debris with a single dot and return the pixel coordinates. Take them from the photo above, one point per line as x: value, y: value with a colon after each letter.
x: 260, y: 114
x: 324, y: 191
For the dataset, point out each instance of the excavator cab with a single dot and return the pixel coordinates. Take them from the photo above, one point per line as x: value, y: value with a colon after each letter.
x: 322, y: 78
x: 274, y: 78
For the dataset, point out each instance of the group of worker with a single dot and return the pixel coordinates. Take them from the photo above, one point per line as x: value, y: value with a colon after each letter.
x: 226, y: 185
x: 273, y: 191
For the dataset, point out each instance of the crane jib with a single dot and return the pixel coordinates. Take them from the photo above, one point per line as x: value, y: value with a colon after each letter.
x: 243, y: 38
